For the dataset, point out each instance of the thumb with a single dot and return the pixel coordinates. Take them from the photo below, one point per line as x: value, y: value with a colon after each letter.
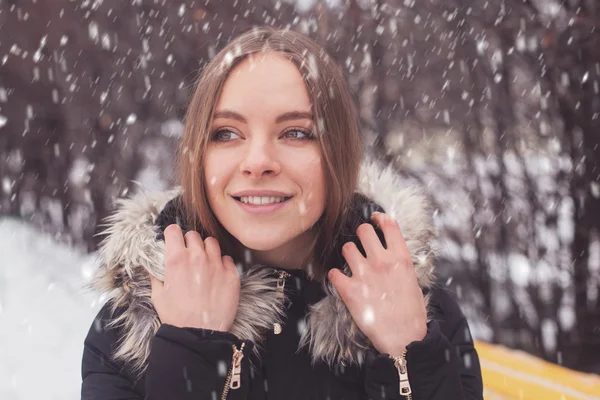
x: 340, y: 282
x: 156, y: 285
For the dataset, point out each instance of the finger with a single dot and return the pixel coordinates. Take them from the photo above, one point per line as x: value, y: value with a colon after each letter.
x: 228, y: 262
x: 174, y: 237
x: 340, y: 282
x: 391, y: 231
x: 213, y: 250
x: 369, y: 240
x: 357, y: 263
x: 193, y: 240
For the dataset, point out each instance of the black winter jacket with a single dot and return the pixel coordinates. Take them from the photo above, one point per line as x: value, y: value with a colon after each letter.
x: 318, y: 353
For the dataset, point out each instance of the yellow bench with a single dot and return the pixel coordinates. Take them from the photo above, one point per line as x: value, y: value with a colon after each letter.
x: 511, y: 374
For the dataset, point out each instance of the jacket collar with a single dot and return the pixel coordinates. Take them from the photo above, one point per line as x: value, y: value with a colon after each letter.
x: 130, y: 250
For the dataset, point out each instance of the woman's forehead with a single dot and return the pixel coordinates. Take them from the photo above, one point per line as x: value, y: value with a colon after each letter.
x: 270, y: 85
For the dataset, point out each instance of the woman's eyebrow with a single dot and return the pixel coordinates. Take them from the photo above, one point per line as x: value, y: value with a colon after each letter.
x: 228, y: 114
x: 292, y: 115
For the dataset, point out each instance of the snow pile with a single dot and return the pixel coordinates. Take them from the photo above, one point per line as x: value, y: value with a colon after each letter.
x: 45, y: 313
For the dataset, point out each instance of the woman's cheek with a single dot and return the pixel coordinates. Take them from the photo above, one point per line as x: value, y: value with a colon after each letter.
x: 214, y: 180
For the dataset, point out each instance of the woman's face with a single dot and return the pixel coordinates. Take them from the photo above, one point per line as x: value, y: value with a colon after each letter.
x: 263, y: 168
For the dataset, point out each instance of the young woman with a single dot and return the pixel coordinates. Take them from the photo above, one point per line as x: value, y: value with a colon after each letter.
x: 272, y: 272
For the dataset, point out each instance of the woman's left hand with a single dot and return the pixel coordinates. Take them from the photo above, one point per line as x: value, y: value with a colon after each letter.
x: 382, y: 295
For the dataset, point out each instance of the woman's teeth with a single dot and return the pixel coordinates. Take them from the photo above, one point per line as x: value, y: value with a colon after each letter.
x: 262, y: 200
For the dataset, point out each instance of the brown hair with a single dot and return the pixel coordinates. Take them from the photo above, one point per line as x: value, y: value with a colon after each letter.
x: 336, y: 121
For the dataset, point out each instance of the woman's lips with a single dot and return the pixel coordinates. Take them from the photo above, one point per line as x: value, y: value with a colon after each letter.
x: 261, y: 208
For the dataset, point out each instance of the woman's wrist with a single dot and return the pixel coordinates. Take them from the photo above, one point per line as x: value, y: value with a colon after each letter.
x: 399, y: 347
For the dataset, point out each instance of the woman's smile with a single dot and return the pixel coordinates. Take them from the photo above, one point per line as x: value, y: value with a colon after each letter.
x: 266, y: 207
x: 261, y: 201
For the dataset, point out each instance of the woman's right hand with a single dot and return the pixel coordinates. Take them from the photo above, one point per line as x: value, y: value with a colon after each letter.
x: 201, y: 288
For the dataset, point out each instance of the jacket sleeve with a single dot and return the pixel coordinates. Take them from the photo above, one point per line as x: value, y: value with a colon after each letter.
x: 188, y: 363
x: 103, y: 377
x: 443, y: 366
x: 184, y: 363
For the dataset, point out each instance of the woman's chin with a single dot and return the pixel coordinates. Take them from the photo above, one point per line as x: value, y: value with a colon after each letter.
x: 261, y: 244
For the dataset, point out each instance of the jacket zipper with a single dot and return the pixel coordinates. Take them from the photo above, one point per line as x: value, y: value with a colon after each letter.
x: 401, y: 366
x: 234, y: 377
x: 280, y: 296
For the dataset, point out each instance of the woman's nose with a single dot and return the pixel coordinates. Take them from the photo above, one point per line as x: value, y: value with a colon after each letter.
x: 260, y: 160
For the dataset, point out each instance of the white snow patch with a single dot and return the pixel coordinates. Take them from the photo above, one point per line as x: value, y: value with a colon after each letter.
x: 131, y: 119
x: 305, y: 5
x: 79, y: 174
x: 566, y: 316
x: 520, y: 269
x: 549, y: 329
x: 93, y: 31
x: 172, y: 128
x: 106, y: 41
x: 150, y: 179
x: 43, y: 302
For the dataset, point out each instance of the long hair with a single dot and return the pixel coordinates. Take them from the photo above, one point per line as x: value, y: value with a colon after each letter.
x: 335, y: 118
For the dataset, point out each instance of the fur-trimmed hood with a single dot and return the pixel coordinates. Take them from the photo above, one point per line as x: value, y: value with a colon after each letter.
x: 131, y: 250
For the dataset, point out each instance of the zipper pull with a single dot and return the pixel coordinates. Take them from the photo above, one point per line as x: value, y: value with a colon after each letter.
x: 401, y: 366
x: 236, y: 367
x: 277, y: 328
x: 281, y: 284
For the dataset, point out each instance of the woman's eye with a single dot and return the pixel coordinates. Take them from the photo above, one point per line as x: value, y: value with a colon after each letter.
x: 224, y: 135
x: 297, y: 134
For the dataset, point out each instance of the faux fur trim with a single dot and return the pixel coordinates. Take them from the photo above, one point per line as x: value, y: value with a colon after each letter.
x: 331, y: 334
x: 130, y: 251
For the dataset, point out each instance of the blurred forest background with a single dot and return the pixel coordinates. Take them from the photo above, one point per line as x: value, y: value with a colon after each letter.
x: 492, y: 105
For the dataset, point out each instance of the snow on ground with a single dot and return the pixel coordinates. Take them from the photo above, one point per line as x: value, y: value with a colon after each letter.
x: 45, y: 313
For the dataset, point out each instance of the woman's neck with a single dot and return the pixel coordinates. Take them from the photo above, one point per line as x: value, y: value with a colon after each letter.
x: 295, y: 254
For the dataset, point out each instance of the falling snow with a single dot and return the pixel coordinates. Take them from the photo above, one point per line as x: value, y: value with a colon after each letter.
x: 131, y: 119
x: 369, y: 315
x: 487, y: 107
